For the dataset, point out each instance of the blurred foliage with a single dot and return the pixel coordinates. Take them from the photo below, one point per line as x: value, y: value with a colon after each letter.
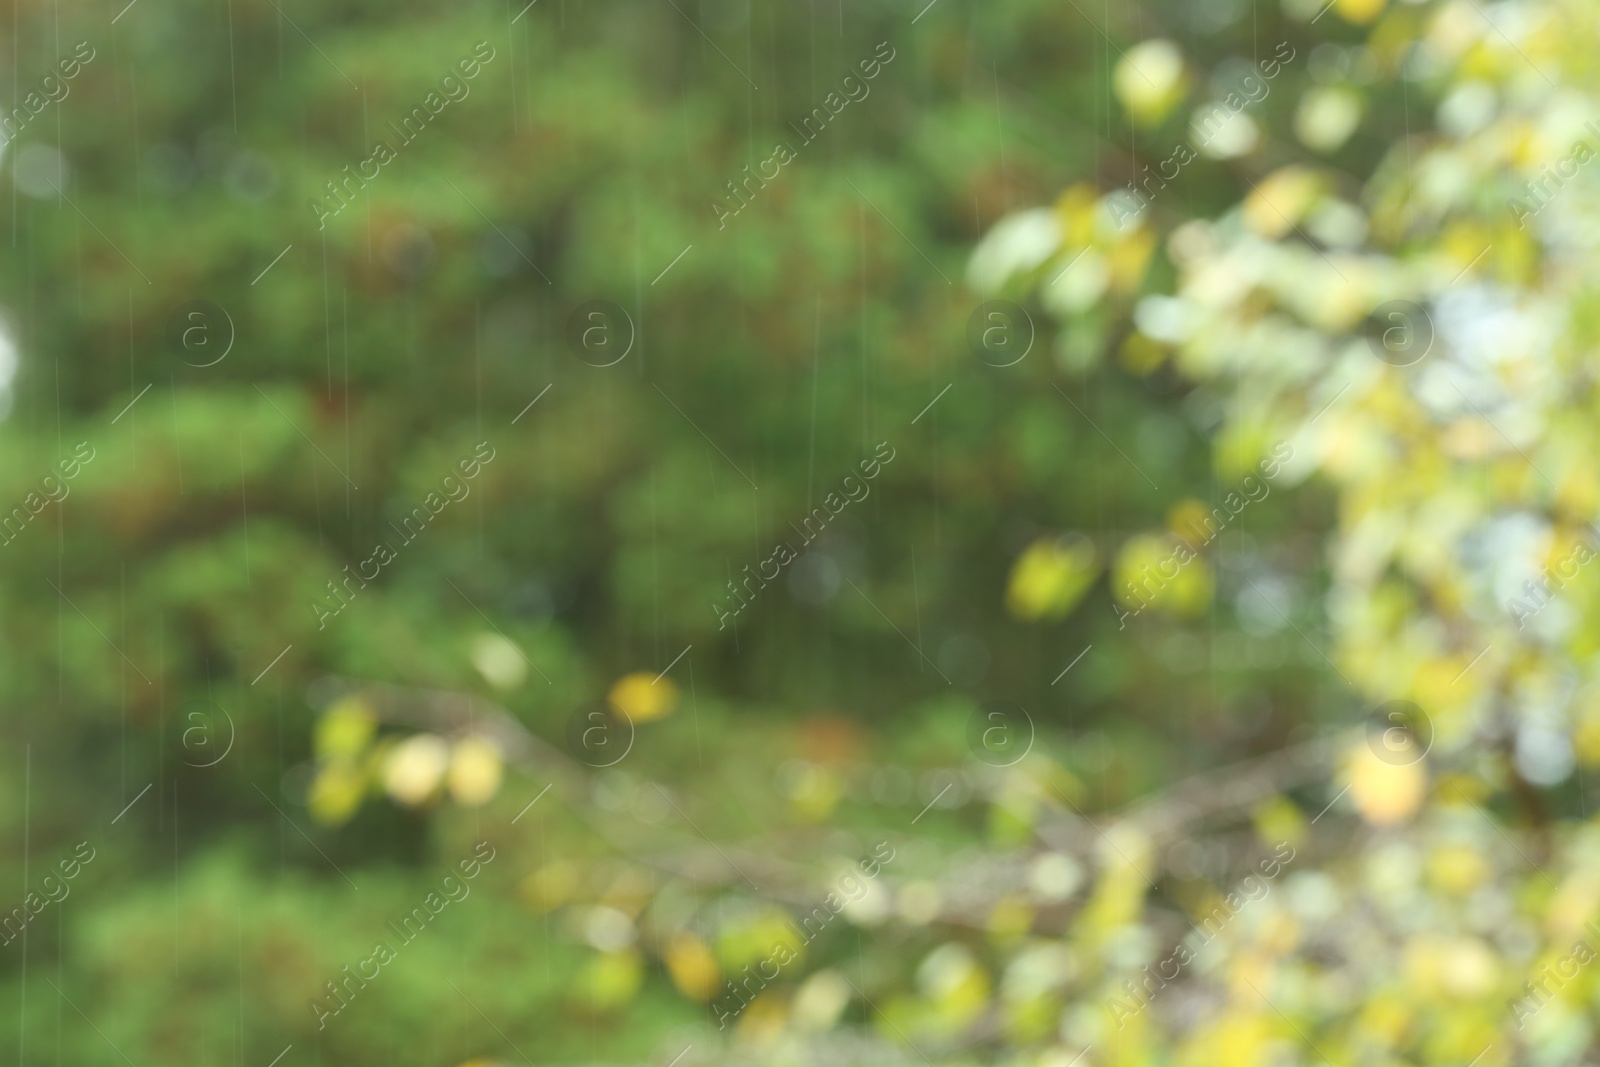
x: 1207, y: 213
x: 1392, y: 299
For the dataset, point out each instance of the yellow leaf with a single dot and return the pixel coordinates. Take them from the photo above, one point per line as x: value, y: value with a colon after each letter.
x: 1129, y: 258
x: 1149, y: 80
x: 1155, y: 571
x: 951, y: 978
x: 552, y: 885
x: 642, y: 696
x: 1281, y: 200
x: 1387, y: 1018
x: 1010, y: 919
x: 475, y: 772
x: 1235, y: 1037
x: 1457, y: 869
x: 1385, y: 793
x: 1278, y: 819
x: 345, y: 729
x: 610, y: 980
x: 1327, y: 116
x: 815, y: 791
x: 1586, y: 736
x: 336, y: 792
x: 1187, y: 521
x: 415, y: 767
x: 821, y: 1000
x: 1075, y: 211
x: 1359, y: 12
x: 1141, y: 355
x: 692, y: 966
x: 764, y: 1019
x: 1460, y: 967
x: 1573, y: 904
x: 1050, y: 577
x: 501, y: 663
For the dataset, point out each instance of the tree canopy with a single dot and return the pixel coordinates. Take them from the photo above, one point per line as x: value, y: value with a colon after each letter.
x: 837, y: 534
